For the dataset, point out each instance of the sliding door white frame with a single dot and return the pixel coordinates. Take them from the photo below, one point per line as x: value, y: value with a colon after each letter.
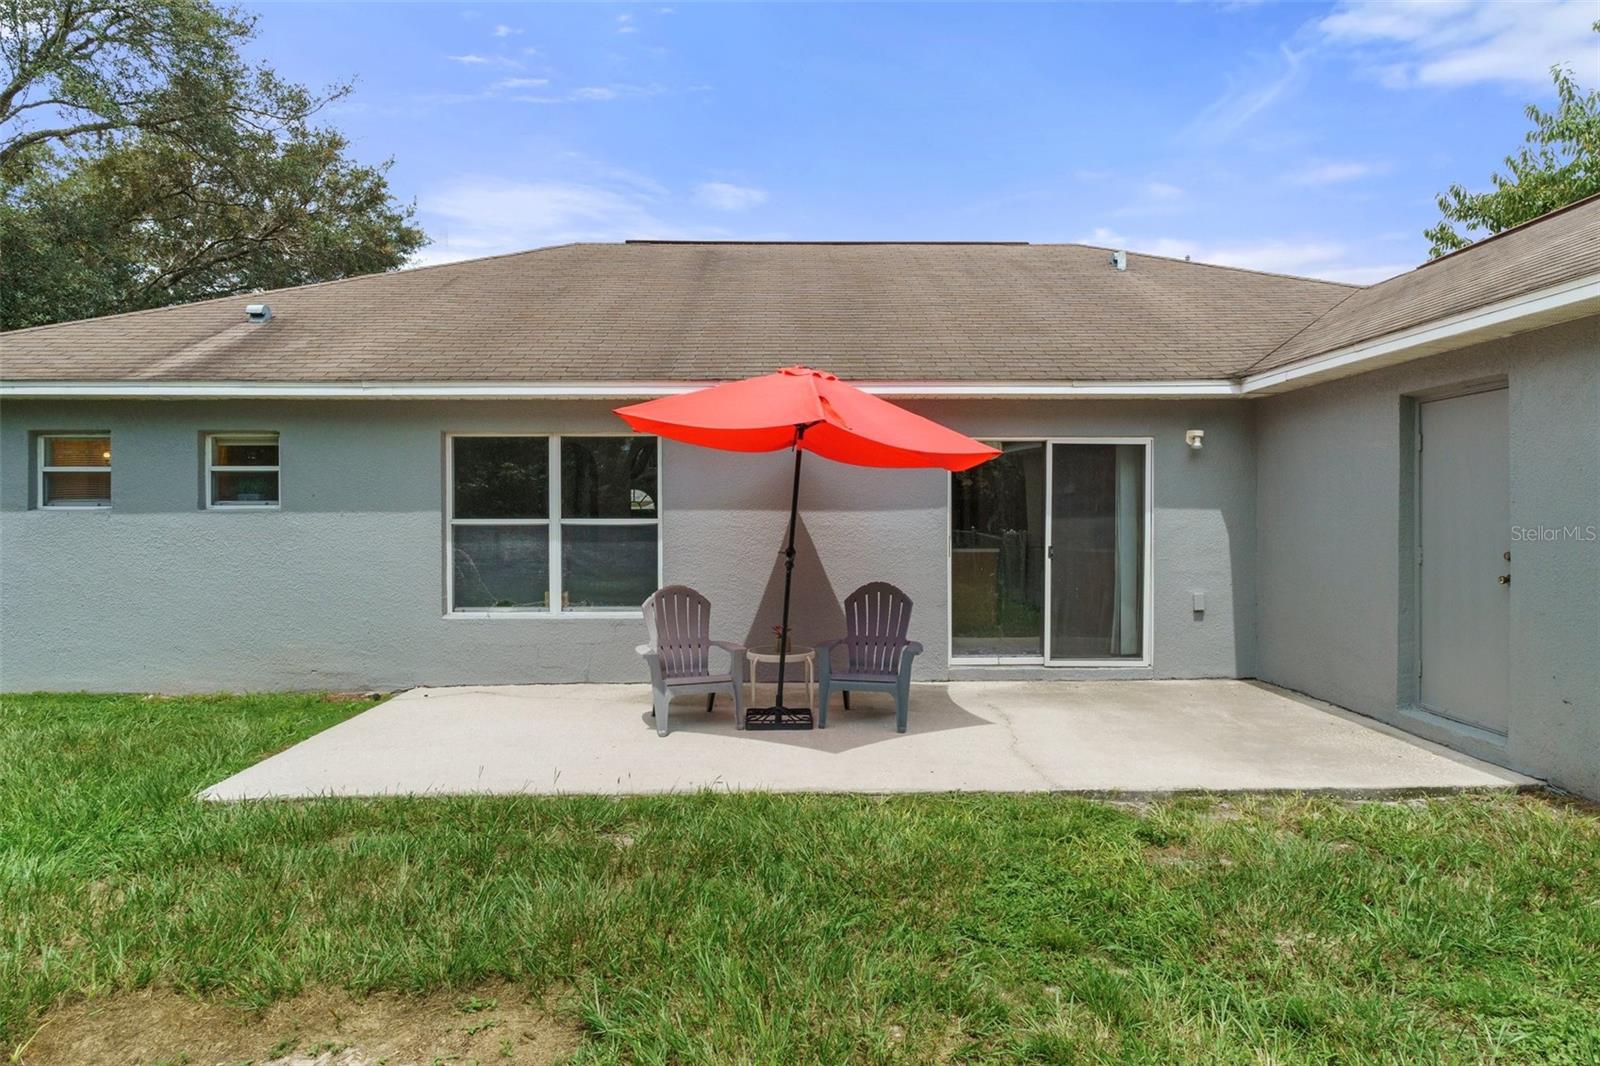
x: 1147, y: 627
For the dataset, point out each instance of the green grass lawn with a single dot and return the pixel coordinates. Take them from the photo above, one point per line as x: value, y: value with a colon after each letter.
x: 756, y: 928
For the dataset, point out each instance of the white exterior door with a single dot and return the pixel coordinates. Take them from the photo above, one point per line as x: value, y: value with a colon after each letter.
x: 1464, y: 515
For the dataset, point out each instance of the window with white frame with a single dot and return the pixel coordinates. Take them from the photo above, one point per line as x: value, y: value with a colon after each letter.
x: 74, y: 470
x: 1050, y: 553
x: 552, y: 523
x: 241, y: 470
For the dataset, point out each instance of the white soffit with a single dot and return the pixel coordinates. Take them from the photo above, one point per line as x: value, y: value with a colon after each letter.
x: 200, y: 390
x: 1550, y: 306
x: 1569, y: 300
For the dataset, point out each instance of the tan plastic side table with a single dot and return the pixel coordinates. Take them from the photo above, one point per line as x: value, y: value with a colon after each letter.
x: 755, y: 657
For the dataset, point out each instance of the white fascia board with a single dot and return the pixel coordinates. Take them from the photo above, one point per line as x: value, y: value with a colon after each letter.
x: 575, y: 391
x: 1548, y: 306
x: 1541, y: 307
x: 1172, y: 389
x: 294, y: 390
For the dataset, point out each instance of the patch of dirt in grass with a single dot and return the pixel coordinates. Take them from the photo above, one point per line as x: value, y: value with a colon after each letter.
x: 1573, y: 804
x: 1186, y: 857
x: 1171, y: 855
x: 1221, y: 812
x: 494, y: 1025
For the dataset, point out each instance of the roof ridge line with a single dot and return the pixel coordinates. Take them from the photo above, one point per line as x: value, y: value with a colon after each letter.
x: 1481, y: 241
x: 286, y: 288
x: 735, y: 241
x: 1214, y: 266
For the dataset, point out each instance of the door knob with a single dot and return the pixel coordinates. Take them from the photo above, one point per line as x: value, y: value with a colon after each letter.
x: 1505, y: 579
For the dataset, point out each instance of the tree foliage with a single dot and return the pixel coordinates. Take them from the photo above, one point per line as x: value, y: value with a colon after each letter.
x: 1559, y: 165
x: 145, y: 162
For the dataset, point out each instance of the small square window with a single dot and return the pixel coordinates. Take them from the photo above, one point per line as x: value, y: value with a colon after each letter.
x: 242, y: 471
x: 608, y: 566
x: 502, y: 477
x: 502, y: 567
x: 74, y: 470
x: 608, y: 477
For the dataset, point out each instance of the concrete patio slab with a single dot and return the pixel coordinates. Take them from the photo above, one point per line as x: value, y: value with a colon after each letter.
x: 1138, y: 737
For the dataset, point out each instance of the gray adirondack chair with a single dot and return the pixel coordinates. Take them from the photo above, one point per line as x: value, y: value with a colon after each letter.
x: 877, y: 654
x: 679, y: 653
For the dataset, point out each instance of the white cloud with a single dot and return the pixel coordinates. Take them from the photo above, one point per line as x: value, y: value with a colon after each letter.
x: 625, y: 24
x: 1249, y: 93
x: 1318, y: 258
x: 723, y: 196
x: 1334, y: 173
x: 1404, y: 43
x: 581, y: 199
x: 502, y: 30
x: 521, y: 83
x: 590, y: 94
x: 1153, y: 198
x: 1280, y: 257
x: 474, y: 59
x: 595, y: 94
x: 1365, y: 275
x: 477, y: 216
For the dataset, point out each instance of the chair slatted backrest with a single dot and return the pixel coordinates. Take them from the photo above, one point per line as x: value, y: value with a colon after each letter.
x: 679, y: 620
x: 876, y: 618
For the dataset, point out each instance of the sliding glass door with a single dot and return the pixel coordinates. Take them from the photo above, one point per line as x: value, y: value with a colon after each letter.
x: 1049, y: 553
x: 1097, y: 539
x: 997, y: 555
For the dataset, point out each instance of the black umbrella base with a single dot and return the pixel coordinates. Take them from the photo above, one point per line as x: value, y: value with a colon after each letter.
x: 778, y: 717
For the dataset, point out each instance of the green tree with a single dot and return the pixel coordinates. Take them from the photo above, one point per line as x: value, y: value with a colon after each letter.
x: 146, y: 163
x: 1559, y: 165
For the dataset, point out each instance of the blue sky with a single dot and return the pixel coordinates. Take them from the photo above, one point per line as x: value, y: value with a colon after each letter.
x: 1305, y: 138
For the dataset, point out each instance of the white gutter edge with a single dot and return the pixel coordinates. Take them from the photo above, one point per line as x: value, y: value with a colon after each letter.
x: 1081, y: 388
x: 1566, y: 297
x: 572, y: 391
x: 1569, y: 295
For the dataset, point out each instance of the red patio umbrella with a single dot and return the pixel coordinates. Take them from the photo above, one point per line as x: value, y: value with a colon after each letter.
x: 810, y: 411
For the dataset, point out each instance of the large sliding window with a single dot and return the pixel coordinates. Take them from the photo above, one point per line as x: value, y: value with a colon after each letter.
x: 1050, y: 551
x: 552, y: 524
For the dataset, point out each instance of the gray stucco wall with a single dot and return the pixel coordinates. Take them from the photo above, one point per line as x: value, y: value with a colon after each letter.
x: 1335, y: 579
x: 343, y: 587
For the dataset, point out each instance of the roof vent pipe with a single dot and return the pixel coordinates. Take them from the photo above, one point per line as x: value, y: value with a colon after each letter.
x: 1119, y: 259
x: 258, y: 312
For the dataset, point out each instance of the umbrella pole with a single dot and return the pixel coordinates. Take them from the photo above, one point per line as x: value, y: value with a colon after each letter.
x: 778, y: 716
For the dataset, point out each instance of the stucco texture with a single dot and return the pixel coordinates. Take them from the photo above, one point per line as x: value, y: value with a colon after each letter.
x: 1294, y: 521
x: 343, y: 587
x: 1336, y: 564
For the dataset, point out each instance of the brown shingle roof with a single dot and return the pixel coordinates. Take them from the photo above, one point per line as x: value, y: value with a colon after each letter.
x: 664, y: 311
x: 1560, y: 246
x: 703, y: 311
